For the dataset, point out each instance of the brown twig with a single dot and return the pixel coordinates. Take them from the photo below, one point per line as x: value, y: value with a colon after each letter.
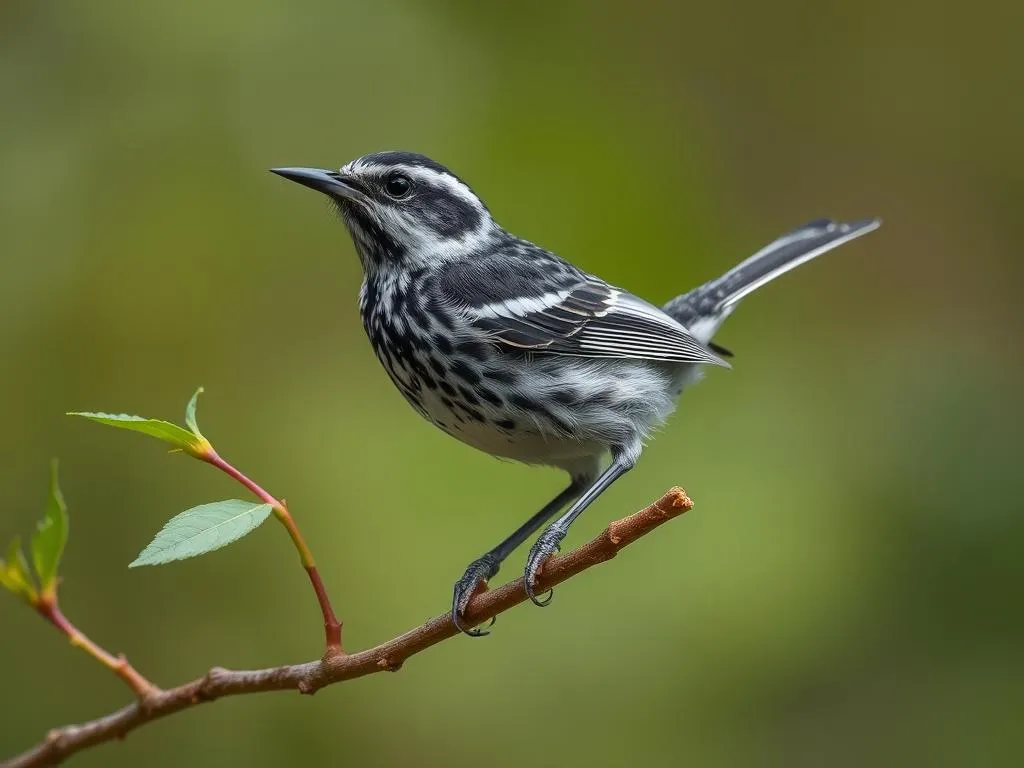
x: 389, y: 656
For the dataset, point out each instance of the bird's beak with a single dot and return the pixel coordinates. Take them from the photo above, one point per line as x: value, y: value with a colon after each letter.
x: 328, y: 182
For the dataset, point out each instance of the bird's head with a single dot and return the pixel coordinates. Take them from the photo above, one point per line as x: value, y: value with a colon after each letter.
x: 402, y: 209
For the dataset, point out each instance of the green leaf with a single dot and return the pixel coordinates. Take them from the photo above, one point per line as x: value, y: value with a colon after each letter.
x: 203, y: 529
x: 51, y: 536
x: 14, y: 574
x: 190, y: 414
x: 164, y: 430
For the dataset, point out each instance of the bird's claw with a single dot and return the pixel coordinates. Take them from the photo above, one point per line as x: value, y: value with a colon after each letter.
x: 547, y: 544
x: 476, y: 631
x: 475, y: 577
x: 543, y: 600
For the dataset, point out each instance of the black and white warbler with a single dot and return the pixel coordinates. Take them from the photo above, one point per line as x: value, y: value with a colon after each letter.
x: 517, y: 352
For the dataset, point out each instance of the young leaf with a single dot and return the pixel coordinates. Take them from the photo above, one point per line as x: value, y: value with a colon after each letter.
x: 190, y: 414
x: 164, y: 430
x: 203, y: 529
x: 51, y: 536
x: 14, y: 573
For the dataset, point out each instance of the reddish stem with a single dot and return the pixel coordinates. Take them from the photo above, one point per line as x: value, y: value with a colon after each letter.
x: 332, y: 627
x: 117, y: 664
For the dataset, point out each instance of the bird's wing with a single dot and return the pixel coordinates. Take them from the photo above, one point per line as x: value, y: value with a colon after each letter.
x: 577, y: 315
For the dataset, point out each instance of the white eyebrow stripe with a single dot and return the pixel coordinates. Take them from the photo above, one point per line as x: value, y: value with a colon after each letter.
x: 418, y: 172
x: 447, y: 181
x: 521, y: 306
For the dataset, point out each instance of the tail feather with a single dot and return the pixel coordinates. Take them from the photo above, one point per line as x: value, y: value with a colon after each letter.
x: 786, y: 253
x: 703, y: 309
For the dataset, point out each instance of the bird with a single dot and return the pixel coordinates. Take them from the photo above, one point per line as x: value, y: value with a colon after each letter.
x: 519, y: 353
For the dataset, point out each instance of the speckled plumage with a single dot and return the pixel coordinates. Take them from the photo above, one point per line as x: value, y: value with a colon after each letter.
x: 509, y: 401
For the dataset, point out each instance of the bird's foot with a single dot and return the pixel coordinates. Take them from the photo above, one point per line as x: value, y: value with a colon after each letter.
x: 546, y: 545
x: 476, y: 576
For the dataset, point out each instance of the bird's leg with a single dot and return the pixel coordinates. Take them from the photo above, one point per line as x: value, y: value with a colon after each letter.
x: 486, y: 567
x: 548, y: 543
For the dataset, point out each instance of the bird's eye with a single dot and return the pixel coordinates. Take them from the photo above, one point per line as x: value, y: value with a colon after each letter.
x: 397, y: 186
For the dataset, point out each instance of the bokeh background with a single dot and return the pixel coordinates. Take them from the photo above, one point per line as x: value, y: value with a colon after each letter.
x: 848, y: 589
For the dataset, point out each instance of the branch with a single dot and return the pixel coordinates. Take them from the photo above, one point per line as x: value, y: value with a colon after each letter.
x: 311, y: 676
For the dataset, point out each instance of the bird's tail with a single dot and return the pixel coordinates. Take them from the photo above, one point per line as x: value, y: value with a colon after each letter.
x: 703, y: 309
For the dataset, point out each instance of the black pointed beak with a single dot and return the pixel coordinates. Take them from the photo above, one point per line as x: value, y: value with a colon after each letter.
x: 328, y: 182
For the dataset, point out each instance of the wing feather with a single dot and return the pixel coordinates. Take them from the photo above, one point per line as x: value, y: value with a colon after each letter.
x: 591, y: 319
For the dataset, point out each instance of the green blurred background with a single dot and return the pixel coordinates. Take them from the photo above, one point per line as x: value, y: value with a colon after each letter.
x: 848, y: 589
